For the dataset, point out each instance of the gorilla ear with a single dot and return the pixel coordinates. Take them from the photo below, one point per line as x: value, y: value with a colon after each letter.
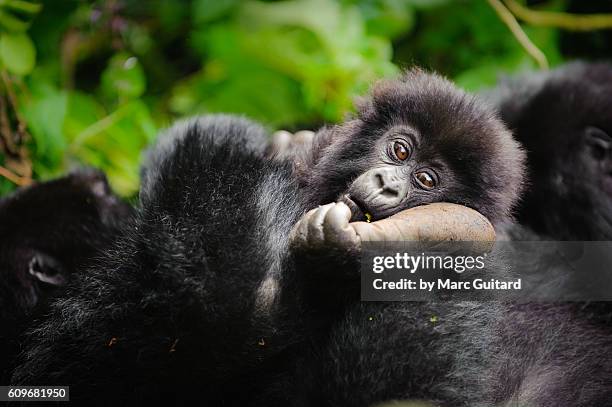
x: 46, y: 269
x: 600, y: 143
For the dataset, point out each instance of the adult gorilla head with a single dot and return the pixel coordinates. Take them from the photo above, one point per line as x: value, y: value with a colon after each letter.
x: 49, y: 230
x: 564, y: 120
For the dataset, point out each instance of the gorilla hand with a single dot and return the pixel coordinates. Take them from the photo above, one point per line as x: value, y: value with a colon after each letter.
x: 328, y: 227
x: 285, y: 145
x: 325, y: 227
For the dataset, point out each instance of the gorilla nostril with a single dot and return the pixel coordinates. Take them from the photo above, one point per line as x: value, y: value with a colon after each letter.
x: 380, y: 181
x: 390, y: 192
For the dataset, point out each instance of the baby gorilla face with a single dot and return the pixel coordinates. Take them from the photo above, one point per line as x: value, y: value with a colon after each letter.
x: 415, y: 141
x: 399, y: 178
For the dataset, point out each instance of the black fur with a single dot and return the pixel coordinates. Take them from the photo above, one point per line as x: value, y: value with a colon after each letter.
x: 564, y: 120
x: 169, y: 314
x: 49, y: 231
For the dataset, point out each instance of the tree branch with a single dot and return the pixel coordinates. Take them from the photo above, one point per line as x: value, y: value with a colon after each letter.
x: 14, y: 178
x: 567, y: 21
x: 506, y: 16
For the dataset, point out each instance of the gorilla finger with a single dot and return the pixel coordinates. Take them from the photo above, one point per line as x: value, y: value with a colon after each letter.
x: 281, y: 142
x: 303, y: 137
x: 337, y: 229
x: 299, y: 233
x: 316, y: 234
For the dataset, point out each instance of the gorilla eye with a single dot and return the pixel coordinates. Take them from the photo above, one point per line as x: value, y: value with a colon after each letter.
x: 426, y: 180
x: 400, y: 150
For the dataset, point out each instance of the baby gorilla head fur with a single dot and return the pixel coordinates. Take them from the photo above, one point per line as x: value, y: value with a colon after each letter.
x: 414, y: 141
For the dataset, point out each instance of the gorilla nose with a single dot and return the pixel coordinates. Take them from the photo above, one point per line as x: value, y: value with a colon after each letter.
x: 385, y: 181
x: 378, y: 191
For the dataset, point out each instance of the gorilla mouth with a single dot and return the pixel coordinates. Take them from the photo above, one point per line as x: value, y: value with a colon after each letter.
x: 358, y: 208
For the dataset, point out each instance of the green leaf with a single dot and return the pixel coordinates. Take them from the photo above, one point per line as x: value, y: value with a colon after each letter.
x: 83, y: 111
x: 18, y: 53
x: 123, y: 77
x: 11, y: 23
x: 6, y: 186
x: 112, y: 142
x: 428, y: 4
x: 387, y: 18
x: 23, y: 6
x: 205, y: 11
x: 240, y: 92
x: 45, y: 115
x: 296, y: 61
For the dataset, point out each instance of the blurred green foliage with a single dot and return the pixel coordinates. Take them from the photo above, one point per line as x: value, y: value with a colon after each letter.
x: 92, y: 82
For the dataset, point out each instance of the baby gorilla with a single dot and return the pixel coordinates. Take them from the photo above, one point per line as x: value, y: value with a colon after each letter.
x: 414, y: 141
x: 215, y: 295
